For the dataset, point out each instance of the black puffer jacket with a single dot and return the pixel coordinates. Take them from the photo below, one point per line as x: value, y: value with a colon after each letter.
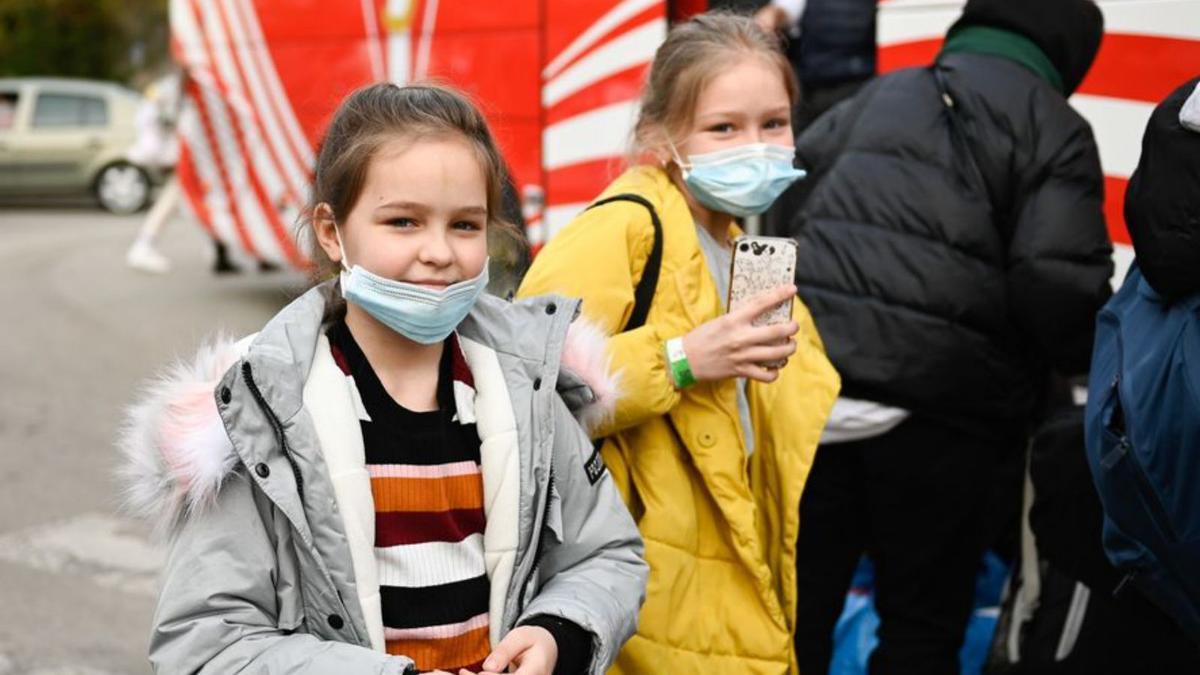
x: 927, y: 296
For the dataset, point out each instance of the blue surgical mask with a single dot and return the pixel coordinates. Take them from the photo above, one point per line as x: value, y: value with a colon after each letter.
x: 417, y: 312
x: 741, y: 181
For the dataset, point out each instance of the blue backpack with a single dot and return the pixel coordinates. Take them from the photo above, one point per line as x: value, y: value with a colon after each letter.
x: 1143, y: 443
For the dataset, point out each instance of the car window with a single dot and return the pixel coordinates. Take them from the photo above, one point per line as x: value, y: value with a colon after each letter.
x: 69, y: 110
x: 8, y: 109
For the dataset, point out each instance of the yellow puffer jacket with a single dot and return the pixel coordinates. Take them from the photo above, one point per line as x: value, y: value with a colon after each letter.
x: 720, y: 527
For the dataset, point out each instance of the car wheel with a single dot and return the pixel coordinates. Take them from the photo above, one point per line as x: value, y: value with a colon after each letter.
x: 122, y: 188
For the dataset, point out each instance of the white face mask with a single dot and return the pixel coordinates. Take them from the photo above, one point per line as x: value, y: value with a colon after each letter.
x: 419, y: 313
x: 741, y: 181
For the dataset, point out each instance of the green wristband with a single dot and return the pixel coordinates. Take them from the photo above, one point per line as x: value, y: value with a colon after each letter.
x: 681, y: 370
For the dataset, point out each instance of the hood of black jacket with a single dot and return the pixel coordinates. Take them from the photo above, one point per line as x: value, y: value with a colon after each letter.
x: 1067, y: 31
x: 1162, y: 203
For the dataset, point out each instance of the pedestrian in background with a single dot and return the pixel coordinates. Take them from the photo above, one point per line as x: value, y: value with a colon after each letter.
x: 1143, y: 411
x: 953, y: 251
x: 831, y: 44
x: 386, y: 479
x: 710, y: 449
x: 156, y: 148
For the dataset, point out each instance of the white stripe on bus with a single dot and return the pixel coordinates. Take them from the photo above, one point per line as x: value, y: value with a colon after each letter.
x: 596, y: 32
x: 291, y: 165
x: 599, y: 133
x: 632, y: 48
x: 277, y: 94
x: 1118, y: 125
x: 259, y: 161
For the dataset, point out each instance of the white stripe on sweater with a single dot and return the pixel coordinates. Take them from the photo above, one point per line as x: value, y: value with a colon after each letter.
x: 442, y: 632
x: 430, y: 564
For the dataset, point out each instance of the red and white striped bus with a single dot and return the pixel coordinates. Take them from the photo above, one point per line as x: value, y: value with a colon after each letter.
x: 558, y: 80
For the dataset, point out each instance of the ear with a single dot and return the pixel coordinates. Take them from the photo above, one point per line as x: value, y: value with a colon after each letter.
x: 655, y: 146
x: 324, y: 227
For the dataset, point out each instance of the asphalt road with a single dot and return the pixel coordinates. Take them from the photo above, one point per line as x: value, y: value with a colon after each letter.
x: 80, y: 331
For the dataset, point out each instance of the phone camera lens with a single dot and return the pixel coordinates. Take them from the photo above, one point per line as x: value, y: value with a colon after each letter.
x: 745, y: 247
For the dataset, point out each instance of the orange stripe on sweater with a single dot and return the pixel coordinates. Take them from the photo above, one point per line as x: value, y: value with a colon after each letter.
x: 427, y: 494
x: 447, y: 653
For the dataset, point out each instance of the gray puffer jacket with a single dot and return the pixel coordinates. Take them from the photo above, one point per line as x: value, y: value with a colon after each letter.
x: 250, y: 458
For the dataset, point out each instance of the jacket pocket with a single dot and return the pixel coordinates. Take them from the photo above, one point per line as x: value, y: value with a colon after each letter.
x: 1120, y: 459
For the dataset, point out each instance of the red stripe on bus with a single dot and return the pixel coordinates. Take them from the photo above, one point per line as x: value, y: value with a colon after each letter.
x: 278, y: 230
x: 651, y: 13
x: 235, y: 56
x: 580, y: 183
x: 210, y: 136
x: 247, y: 16
x: 1141, y: 67
x: 616, y: 88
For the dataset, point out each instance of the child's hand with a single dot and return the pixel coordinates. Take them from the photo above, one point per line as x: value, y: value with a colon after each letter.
x: 531, y: 649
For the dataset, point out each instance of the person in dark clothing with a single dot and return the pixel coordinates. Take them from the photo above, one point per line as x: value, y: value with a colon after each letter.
x: 831, y: 45
x: 953, y: 251
x: 832, y: 49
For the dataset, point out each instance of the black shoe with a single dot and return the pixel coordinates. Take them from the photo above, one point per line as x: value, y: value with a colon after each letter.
x: 222, y: 264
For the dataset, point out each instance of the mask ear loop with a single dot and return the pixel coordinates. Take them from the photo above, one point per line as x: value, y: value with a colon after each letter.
x: 341, y: 248
x: 683, y: 167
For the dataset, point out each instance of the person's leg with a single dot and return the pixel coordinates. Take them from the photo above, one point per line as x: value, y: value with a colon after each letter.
x: 929, y: 529
x: 831, y: 541
x: 142, y: 255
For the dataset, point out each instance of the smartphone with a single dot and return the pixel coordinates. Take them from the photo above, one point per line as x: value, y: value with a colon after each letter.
x: 759, y: 265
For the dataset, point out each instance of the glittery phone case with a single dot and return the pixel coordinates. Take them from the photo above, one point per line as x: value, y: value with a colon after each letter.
x: 761, y: 264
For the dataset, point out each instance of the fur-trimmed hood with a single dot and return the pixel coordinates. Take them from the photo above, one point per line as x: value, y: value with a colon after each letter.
x: 176, y: 452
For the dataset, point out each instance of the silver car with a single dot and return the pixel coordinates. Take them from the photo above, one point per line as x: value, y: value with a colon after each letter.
x: 69, y: 137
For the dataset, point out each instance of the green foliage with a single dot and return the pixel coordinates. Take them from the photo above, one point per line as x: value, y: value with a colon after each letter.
x: 99, y: 39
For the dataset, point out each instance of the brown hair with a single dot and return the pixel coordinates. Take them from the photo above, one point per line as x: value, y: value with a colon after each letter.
x: 694, y: 52
x: 369, y: 118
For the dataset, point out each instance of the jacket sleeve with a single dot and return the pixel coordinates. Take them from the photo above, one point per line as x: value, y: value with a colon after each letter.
x: 218, y: 611
x: 598, y: 258
x: 1059, y: 255
x: 594, y: 575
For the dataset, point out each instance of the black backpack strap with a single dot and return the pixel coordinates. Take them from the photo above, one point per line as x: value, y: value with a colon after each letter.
x: 643, y: 294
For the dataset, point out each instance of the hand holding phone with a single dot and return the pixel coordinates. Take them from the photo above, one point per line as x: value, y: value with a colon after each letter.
x: 732, y: 345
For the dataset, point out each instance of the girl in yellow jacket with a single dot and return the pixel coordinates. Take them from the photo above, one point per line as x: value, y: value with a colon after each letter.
x: 709, y: 448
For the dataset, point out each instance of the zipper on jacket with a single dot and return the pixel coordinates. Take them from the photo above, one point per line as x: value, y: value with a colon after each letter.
x: 276, y: 425
x: 1157, y: 511
x: 540, y: 543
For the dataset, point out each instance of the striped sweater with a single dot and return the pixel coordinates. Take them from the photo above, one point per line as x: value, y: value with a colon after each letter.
x: 429, y: 518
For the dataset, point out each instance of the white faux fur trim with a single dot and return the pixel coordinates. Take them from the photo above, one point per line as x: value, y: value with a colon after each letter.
x: 585, y: 354
x: 330, y: 398
x: 500, y: 464
x: 174, y: 450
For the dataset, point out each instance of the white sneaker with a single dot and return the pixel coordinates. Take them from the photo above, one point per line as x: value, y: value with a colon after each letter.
x: 144, y: 258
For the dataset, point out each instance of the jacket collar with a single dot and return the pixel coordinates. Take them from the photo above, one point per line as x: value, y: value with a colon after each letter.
x: 1005, y: 44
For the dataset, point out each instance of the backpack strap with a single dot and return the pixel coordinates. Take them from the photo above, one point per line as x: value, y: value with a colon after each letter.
x: 643, y: 294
